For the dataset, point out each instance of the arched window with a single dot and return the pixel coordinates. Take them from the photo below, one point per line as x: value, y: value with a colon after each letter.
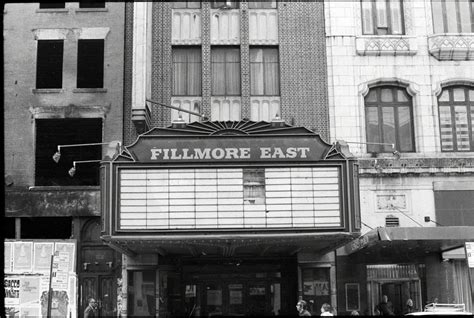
x: 456, y: 118
x: 389, y: 119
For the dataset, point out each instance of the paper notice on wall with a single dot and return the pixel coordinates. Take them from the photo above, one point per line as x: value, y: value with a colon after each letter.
x: 22, y: 257
x: 30, y: 312
x: 30, y: 290
x: 12, y: 291
x: 8, y: 257
x: 308, y: 288
x: 235, y: 297
x: 69, y: 248
x: 214, y: 297
x: 470, y: 254
x: 42, y: 252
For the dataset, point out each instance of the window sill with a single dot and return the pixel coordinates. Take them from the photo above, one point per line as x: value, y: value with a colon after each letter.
x: 63, y: 188
x: 452, y: 46
x: 78, y: 10
x: 386, y: 45
x: 47, y: 90
x: 89, y: 90
x: 59, y: 10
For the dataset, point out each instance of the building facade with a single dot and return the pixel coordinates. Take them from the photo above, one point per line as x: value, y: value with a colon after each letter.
x: 239, y: 70
x: 401, y: 95
x: 63, y: 85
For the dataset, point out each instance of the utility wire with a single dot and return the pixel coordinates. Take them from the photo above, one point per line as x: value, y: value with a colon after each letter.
x: 406, y: 215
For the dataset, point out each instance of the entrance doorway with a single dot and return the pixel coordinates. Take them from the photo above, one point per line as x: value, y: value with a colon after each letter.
x: 399, y: 282
x: 103, y: 289
x: 233, y: 296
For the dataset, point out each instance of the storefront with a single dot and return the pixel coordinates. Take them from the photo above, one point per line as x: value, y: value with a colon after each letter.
x: 423, y: 264
x: 228, y: 218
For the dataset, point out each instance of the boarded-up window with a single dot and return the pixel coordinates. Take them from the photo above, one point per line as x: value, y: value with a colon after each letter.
x: 49, y: 64
x: 53, y: 132
x: 90, y: 64
x: 454, y: 207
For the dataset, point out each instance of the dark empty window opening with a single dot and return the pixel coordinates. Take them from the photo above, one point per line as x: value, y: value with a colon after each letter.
x: 392, y: 221
x: 52, y: 5
x: 49, y: 64
x: 91, y: 4
x: 46, y: 228
x: 90, y: 64
x: 8, y: 228
x: 53, y: 132
x: 225, y: 4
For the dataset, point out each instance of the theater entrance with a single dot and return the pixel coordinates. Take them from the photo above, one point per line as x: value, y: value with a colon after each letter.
x: 225, y: 295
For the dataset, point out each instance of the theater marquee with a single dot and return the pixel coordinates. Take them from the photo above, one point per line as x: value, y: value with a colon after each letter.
x: 209, y: 177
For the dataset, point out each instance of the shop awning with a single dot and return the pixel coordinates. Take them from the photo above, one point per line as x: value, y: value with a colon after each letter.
x: 415, y: 240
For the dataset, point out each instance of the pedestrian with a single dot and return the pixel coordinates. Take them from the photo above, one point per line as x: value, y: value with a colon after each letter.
x: 91, y: 309
x: 385, y: 307
x: 354, y: 313
x: 326, y: 310
x: 302, y: 308
x: 409, y: 306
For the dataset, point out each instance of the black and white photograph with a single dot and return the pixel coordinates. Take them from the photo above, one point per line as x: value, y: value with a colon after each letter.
x: 238, y: 158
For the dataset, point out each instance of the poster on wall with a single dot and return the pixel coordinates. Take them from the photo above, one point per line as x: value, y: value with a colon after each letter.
x: 30, y: 311
x: 22, y: 257
x: 7, y: 257
x: 321, y: 288
x: 308, y: 288
x: 59, y: 304
x: 12, y: 291
x: 69, y: 248
x: 42, y: 252
x: 29, y: 290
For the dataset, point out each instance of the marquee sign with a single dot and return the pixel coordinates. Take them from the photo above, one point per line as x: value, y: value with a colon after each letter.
x: 245, y: 141
x: 227, y: 149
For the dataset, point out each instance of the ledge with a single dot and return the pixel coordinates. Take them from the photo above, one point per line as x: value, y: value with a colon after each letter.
x: 452, y: 46
x: 141, y: 118
x: 416, y: 166
x: 58, y: 10
x: 78, y: 10
x: 47, y: 90
x: 89, y: 90
x: 386, y: 45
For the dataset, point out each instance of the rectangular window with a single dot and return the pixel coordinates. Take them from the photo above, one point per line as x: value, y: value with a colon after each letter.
x: 264, y: 72
x: 225, y: 4
x: 49, y: 67
x: 268, y: 4
x: 187, y: 5
x: 187, y: 71
x: 254, y: 186
x: 382, y: 17
x: 50, y: 133
x: 91, y: 4
x: 225, y: 68
x: 52, y: 5
x: 90, y: 64
x: 452, y: 16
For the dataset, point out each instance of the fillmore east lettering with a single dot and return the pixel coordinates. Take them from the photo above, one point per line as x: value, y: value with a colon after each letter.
x: 229, y: 153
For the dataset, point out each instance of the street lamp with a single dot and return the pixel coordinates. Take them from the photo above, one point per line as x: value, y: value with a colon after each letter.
x: 114, y: 145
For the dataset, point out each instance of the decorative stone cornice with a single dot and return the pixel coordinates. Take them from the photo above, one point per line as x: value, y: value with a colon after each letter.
x: 452, y: 47
x: 416, y: 166
x: 386, y: 45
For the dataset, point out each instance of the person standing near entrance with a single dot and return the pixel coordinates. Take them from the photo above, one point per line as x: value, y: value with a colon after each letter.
x: 385, y: 307
x: 326, y: 310
x: 91, y: 309
x: 409, y: 306
x: 302, y: 306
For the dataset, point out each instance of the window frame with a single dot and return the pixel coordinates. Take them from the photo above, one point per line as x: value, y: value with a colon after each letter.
x: 374, y: 17
x: 186, y: 48
x: 91, y: 4
x: 274, y: 5
x: 458, y: 16
x: 451, y: 103
x: 380, y: 105
x: 186, y: 5
x: 233, y: 5
x: 52, y: 5
x: 263, y: 48
x: 44, y: 73
x: 82, y: 61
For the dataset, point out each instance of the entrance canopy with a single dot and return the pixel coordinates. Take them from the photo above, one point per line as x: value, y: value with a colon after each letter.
x: 415, y: 241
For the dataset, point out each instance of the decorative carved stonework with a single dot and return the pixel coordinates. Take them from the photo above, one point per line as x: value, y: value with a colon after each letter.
x: 451, y: 47
x: 386, y: 45
x: 391, y: 202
